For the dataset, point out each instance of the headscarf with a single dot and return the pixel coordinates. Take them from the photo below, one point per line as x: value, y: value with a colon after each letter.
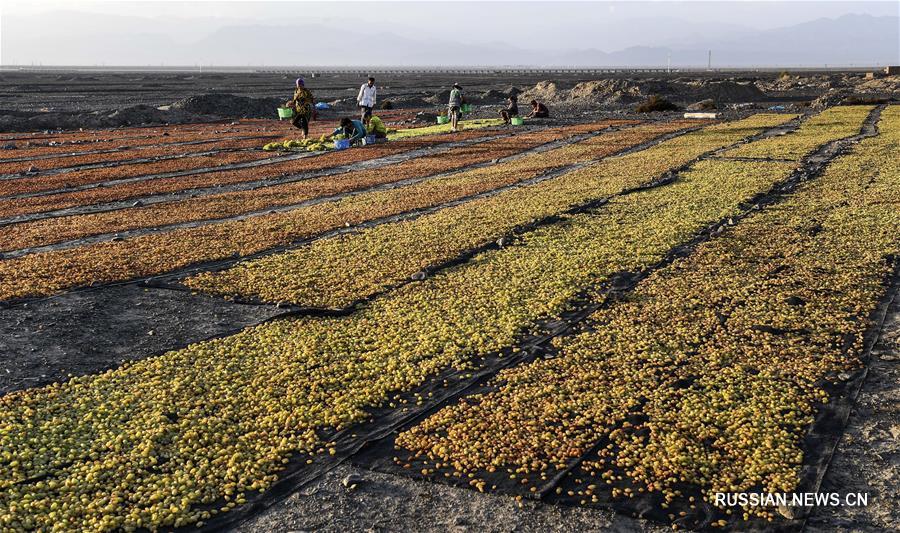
x: 299, y: 82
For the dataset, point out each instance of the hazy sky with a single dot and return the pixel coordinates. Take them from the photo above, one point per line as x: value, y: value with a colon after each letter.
x: 504, y: 18
x: 606, y: 26
x: 758, y: 14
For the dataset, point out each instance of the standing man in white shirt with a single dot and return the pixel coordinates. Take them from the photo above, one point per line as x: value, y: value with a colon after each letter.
x: 366, y: 98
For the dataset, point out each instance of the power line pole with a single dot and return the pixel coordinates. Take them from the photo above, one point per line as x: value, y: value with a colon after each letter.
x: 709, y: 60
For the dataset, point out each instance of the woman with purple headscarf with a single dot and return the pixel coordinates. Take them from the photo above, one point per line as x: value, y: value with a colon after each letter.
x: 302, y: 103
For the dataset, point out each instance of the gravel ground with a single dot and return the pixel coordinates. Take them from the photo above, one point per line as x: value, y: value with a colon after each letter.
x: 867, y: 459
x: 383, y: 502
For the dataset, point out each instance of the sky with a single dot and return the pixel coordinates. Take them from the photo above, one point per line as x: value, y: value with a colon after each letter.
x: 31, y: 31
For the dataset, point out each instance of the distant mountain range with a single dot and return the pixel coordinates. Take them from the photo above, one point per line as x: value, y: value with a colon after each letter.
x: 69, y: 38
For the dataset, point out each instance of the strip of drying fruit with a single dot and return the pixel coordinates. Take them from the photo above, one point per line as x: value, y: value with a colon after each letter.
x: 70, y: 155
x: 67, y: 141
x: 55, y: 182
x: 274, y: 168
x: 146, y: 444
x: 80, y: 177
x: 709, y: 373
x: 224, y: 205
x: 338, y: 271
x: 156, y: 253
x: 126, y: 156
x: 832, y: 124
x: 46, y: 273
x: 111, y: 140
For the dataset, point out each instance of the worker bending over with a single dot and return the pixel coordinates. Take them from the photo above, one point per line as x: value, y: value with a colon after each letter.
x: 538, y: 110
x: 375, y: 126
x: 354, y: 130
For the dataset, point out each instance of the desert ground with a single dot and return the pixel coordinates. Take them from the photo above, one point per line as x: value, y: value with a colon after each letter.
x: 591, y: 322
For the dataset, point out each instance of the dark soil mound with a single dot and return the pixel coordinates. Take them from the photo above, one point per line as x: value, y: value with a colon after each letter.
x: 726, y: 91
x: 129, y: 116
x: 192, y: 109
x: 656, y: 103
x: 406, y: 102
x: 491, y: 96
x: 228, y: 105
x: 139, y: 114
x: 440, y: 97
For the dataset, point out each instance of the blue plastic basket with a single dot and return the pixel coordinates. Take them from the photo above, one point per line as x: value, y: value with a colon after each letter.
x: 341, y: 144
x: 370, y: 139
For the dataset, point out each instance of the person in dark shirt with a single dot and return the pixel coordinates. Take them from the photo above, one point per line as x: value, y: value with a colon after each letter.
x: 538, y: 110
x: 512, y: 109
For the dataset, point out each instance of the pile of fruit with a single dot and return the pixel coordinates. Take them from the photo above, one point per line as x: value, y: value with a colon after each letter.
x: 310, y: 145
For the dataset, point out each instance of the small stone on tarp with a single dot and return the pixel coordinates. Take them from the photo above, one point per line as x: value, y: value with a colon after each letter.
x: 352, y: 481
